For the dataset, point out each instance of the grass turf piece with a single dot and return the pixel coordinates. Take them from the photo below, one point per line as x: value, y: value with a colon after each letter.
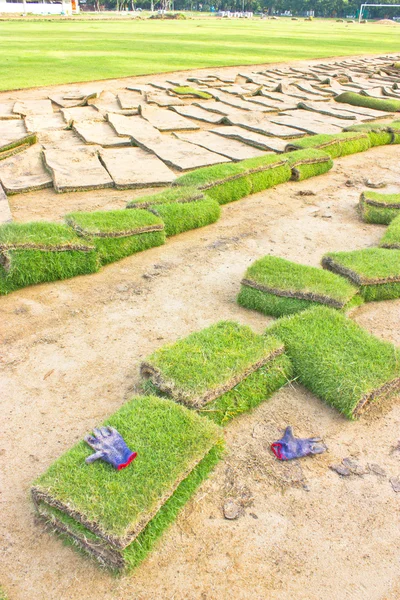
x: 118, y: 233
x: 232, y: 181
x: 187, y: 90
x: 339, y: 144
x: 181, y: 217
x: 394, y: 129
x: 391, y: 238
x: 38, y: 252
x: 378, y: 133
x: 375, y: 270
x: 379, y: 208
x: 337, y: 360
x: 17, y: 145
x: 278, y: 287
x: 309, y: 163
x: 169, y: 195
x: 209, y: 363
x: 355, y: 99
x: 118, y: 515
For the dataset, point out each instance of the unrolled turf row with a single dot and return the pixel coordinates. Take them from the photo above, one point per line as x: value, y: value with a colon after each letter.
x: 389, y: 105
x: 336, y: 145
x: 179, y: 217
x: 309, y: 163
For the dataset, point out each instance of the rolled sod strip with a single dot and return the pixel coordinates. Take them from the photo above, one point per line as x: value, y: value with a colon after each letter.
x: 375, y: 270
x: 33, y: 253
x: 339, y: 361
x: 378, y: 133
x: 340, y: 144
x: 355, y: 99
x: 309, y: 163
x: 117, y: 516
x: 391, y: 238
x: 169, y: 195
x: 180, y: 217
x: 118, y: 233
x: 379, y: 208
x: 205, y: 365
x: 278, y: 287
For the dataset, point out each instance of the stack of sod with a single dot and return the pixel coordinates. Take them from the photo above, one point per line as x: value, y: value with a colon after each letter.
x: 391, y: 239
x: 337, y: 360
x: 222, y: 371
x: 117, y: 516
x: 392, y: 105
x: 278, y: 287
x: 169, y: 195
x: 180, y: 217
x: 232, y: 181
x: 339, y: 144
x: 375, y: 270
x: 379, y: 208
x: 378, y: 133
x: 37, y: 252
x: 309, y: 163
x: 118, y: 233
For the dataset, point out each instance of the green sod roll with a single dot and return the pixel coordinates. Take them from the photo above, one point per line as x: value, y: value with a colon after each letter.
x: 337, y: 360
x: 38, y: 252
x: 391, y: 238
x: 339, y: 144
x: 309, y: 163
x: 375, y: 270
x: 355, y: 99
x: 118, y: 233
x: 379, y: 208
x: 278, y: 287
x: 117, y: 516
x: 181, y: 217
x: 205, y: 365
x: 378, y: 133
x: 394, y: 129
x: 169, y: 195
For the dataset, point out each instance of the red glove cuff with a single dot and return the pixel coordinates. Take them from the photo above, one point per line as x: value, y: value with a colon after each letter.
x: 128, y: 462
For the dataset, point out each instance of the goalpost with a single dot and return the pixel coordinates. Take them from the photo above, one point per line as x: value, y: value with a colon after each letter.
x: 366, y: 4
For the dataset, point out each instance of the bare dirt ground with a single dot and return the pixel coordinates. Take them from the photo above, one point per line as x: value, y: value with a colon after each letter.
x: 70, y: 355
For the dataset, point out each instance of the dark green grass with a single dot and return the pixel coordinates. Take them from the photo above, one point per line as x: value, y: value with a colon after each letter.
x: 169, y: 195
x: 118, y: 233
x: 185, y: 216
x: 378, y: 133
x: 391, y: 237
x: 339, y: 144
x: 379, y: 208
x: 190, y: 91
x: 208, y: 363
x: 116, y: 505
x: 355, y: 99
x: 337, y: 360
x: 375, y: 270
x: 309, y: 163
x: 33, y: 253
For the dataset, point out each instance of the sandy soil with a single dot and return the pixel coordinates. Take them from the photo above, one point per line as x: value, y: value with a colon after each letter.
x: 70, y: 355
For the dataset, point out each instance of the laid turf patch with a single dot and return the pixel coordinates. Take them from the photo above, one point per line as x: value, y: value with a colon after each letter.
x: 379, y: 208
x: 391, y: 238
x: 191, y: 92
x: 38, y: 252
x: 355, y: 99
x: 118, y: 515
x: 378, y: 133
x: 118, y: 233
x: 232, y: 181
x: 201, y: 367
x: 339, y: 361
x: 309, y: 163
x: 169, y: 195
x: 375, y: 270
x: 278, y: 287
x: 339, y: 144
x: 179, y: 217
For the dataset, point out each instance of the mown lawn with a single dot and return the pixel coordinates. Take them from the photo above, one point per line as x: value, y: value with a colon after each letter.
x: 34, y: 53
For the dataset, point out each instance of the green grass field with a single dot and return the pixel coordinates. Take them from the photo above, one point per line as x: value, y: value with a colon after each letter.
x: 46, y: 52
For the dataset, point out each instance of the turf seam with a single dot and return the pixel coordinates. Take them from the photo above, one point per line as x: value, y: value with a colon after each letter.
x: 115, y: 234
x: 297, y: 295
x: 329, y: 263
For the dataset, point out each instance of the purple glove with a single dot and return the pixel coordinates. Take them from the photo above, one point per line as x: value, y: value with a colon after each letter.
x: 110, y: 447
x: 289, y: 447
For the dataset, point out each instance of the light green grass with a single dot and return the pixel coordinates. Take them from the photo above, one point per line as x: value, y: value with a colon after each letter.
x: 339, y: 144
x: 379, y: 208
x: 391, y: 237
x: 118, y: 233
x: 3, y: 595
x: 180, y: 217
x: 6, y: 149
x: 208, y: 363
x: 33, y: 253
x: 178, y: 194
x: 355, y: 99
x: 190, y: 91
x: 279, y: 287
x: 375, y: 270
x: 309, y: 163
x: 54, y: 52
x: 337, y: 360
x: 378, y: 133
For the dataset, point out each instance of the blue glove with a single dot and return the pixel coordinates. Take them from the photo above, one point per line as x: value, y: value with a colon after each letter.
x: 289, y: 447
x: 110, y: 447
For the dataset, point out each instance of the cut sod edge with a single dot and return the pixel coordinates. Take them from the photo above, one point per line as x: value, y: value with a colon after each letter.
x: 26, y: 140
x: 391, y: 246
x: 115, y: 234
x: 329, y: 263
x: 378, y: 204
x: 8, y: 153
x: 241, y: 175
x: 122, y: 542
x: 139, y: 204
x: 43, y: 248
x: 148, y: 371
x: 297, y: 295
x: 385, y: 390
